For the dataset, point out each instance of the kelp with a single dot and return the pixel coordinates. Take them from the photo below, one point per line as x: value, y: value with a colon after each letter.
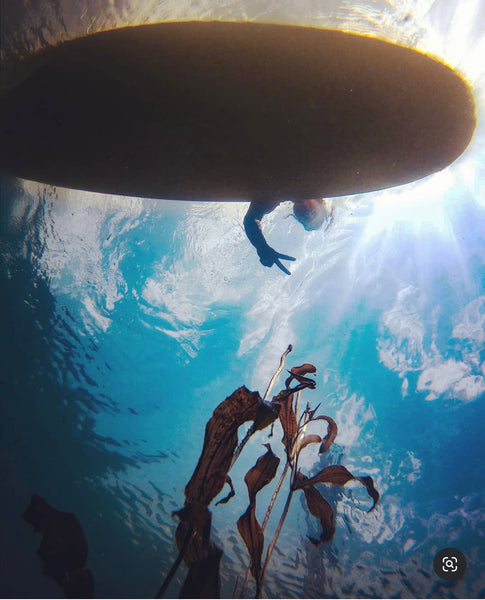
x: 221, y: 449
x: 339, y: 475
x: 221, y: 439
x: 287, y: 413
x: 262, y: 473
x: 319, y: 508
x: 63, y: 548
x: 203, y: 579
x: 299, y: 373
x: 287, y: 418
x: 210, y: 475
x: 231, y: 493
x: 332, y: 431
x: 251, y: 531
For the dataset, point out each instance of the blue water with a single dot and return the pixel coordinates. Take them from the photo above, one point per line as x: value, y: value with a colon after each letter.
x: 124, y: 323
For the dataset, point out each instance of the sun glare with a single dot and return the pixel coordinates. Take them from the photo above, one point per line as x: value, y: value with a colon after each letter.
x: 420, y: 204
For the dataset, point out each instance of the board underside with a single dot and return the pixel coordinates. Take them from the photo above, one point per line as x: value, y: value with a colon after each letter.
x: 233, y: 111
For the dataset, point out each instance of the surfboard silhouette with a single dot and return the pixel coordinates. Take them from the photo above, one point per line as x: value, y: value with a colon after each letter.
x: 233, y: 111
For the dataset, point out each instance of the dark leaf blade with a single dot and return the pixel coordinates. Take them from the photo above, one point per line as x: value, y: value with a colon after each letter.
x: 304, y: 369
x: 266, y: 414
x: 368, y: 482
x: 231, y: 493
x: 287, y: 418
x: 193, y: 531
x: 252, y: 534
x: 319, y: 508
x: 300, y: 371
x: 335, y: 474
x: 262, y: 473
x: 332, y: 431
x: 220, y: 442
x: 203, y: 578
x: 311, y: 438
x: 304, y: 381
x: 340, y: 476
x: 257, y: 477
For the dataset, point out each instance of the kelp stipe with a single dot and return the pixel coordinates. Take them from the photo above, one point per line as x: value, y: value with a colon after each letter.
x: 220, y: 451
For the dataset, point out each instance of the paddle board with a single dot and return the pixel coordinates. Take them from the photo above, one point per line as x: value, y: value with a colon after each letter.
x: 233, y: 111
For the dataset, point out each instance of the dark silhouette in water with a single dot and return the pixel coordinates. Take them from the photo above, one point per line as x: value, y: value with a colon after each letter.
x: 311, y: 213
x: 63, y: 548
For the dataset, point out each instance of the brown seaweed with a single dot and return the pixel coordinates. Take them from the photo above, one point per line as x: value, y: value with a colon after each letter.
x: 316, y: 503
x: 332, y: 431
x: 295, y: 441
x: 287, y: 419
x: 211, y: 473
x: 284, y: 400
x: 63, y: 548
x: 262, y: 473
x: 299, y: 373
x: 231, y: 493
x: 203, y: 579
x: 320, y: 508
x: 220, y: 442
x: 219, y: 452
x: 339, y: 475
x: 248, y: 526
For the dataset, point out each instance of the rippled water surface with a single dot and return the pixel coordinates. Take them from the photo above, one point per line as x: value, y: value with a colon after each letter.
x: 125, y: 322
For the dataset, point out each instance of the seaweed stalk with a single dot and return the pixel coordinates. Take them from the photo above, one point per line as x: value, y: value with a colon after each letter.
x: 252, y: 429
x: 242, y: 443
x: 176, y: 564
x: 274, y: 496
x: 277, y: 372
x: 276, y: 535
x: 265, y: 521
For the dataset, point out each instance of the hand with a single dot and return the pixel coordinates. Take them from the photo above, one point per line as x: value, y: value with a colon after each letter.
x: 269, y: 257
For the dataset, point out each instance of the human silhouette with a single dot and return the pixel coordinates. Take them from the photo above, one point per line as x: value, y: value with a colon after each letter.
x: 311, y: 213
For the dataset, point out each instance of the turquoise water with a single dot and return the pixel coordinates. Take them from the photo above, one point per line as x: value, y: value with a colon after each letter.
x: 124, y: 323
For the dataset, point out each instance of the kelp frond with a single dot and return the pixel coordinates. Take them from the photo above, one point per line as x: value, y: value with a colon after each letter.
x: 221, y: 449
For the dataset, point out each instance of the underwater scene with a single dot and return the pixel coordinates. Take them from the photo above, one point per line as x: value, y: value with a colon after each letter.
x: 180, y: 420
